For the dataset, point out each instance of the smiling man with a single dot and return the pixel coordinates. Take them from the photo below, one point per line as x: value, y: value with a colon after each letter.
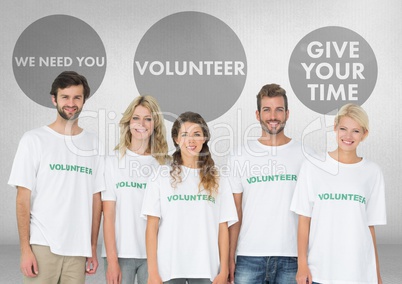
x: 263, y: 177
x: 59, y: 175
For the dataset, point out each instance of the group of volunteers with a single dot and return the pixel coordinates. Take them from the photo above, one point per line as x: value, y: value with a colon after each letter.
x: 280, y: 215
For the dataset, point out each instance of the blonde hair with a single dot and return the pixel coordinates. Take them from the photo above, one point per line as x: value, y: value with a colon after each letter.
x: 355, y: 112
x: 157, y: 144
x: 209, y: 178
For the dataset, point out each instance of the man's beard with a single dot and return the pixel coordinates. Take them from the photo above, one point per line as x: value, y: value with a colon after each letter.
x: 265, y: 127
x: 66, y: 117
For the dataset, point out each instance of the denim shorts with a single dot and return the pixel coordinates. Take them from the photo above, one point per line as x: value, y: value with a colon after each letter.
x: 265, y: 269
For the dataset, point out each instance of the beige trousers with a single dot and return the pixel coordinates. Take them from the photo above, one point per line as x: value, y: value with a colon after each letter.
x: 57, y: 269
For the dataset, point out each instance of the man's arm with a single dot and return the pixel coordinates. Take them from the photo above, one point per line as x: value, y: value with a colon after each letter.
x: 234, y: 231
x: 92, y: 262
x: 28, y: 266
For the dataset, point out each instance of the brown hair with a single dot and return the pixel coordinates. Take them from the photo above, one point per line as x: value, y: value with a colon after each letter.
x: 271, y: 91
x: 209, y: 178
x: 67, y: 79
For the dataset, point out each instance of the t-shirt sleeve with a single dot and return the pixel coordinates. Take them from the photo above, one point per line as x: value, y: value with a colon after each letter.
x: 26, y: 164
x: 234, y: 175
x: 151, y: 205
x: 228, y: 211
x: 376, y: 209
x: 109, y: 193
x: 302, y: 203
x: 99, y: 176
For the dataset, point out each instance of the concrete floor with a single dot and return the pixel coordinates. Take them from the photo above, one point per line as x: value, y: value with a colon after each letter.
x: 390, y: 262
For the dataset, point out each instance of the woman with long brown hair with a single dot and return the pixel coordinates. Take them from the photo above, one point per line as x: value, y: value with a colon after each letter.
x: 189, y: 209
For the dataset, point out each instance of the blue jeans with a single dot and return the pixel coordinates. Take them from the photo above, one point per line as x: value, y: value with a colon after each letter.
x: 265, y: 269
x: 188, y: 281
x: 130, y: 267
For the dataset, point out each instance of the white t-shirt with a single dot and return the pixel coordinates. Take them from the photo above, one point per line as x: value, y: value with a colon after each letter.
x: 343, y: 200
x: 127, y: 179
x: 266, y: 176
x: 189, y: 224
x: 63, y: 173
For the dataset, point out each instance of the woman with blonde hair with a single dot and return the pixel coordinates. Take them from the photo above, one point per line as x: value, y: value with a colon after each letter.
x: 188, y: 212
x: 339, y: 202
x: 141, y: 149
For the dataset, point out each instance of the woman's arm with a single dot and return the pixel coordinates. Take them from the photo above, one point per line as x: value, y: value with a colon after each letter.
x: 113, y: 273
x: 151, y: 237
x: 303, y: 272
x: 234, y: 231
x: 372, y: 231
x: 223, y: 242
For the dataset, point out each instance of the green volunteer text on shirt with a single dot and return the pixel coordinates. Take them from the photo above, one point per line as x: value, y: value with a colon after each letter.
x: 71, y: 168
x: 121, y: 184
x: 255, y: 179
x: 191, y: 197
x: 342, y: 196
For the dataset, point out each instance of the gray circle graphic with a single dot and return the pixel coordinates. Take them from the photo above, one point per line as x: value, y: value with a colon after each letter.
x: 332, y: 66
x: 191, y: 61
x: 54, y: 44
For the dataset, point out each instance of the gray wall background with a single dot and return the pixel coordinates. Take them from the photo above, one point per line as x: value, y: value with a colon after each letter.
x: 268, y: 30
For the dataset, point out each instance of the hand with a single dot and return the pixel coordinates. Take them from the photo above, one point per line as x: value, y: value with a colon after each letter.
x: 92, y: 264
x: 113, y: 273
x: 29, y: 266
x: 221, y: 278
x: 379, y: 279
x: 232, y: 268
x: 154, y: 279
x: 303, y: 275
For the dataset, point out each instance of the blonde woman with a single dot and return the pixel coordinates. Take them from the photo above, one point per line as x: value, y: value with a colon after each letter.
x: 141, y: 149
x: 339, y: 202
x: 188, y: 212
